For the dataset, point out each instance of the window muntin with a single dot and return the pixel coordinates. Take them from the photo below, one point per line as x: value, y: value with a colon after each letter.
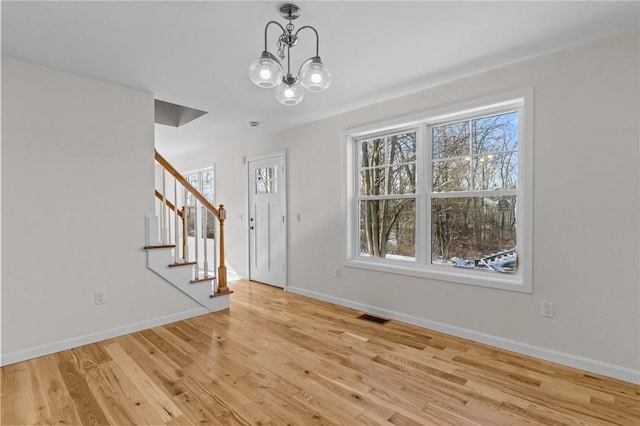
x: 387, y: 201
x: 266, y: 180
x: 474, y: 156
x: 474, y: 165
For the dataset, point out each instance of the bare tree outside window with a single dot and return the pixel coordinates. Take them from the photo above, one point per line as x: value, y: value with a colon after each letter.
x: 387, y: 196
x: 445, y: 194
x: 474, y: 167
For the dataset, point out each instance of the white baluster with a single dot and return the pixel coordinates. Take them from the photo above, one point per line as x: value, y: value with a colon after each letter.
x: 186, y: 235
x: 195, y: 235
x: 164, y: 208
x: 176, y: 229
x: 205, y: 216
x: 185, y: 226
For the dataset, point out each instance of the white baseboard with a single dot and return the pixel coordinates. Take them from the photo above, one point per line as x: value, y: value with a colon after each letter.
x: 12, y: 358
x: 594, y: 366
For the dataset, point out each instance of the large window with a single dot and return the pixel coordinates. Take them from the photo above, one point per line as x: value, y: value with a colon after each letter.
x: 203, y: 181
x: 387, y: 197
x: 444, y: 195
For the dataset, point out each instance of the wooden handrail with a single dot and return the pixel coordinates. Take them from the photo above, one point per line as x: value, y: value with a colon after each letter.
x: 220, y: 213
x: 173, y: 172
x: 169, y: 203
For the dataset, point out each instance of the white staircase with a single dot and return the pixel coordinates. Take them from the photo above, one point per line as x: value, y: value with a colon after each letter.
x: 160, y: 259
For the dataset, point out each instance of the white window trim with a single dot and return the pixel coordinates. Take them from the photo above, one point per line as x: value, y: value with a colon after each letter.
x: 522, y: 280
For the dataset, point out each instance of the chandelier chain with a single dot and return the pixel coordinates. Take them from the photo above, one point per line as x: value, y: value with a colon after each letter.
x: 281, y: 46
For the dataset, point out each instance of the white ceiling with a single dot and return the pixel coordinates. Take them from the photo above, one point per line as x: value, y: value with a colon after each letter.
x: 197, y: 53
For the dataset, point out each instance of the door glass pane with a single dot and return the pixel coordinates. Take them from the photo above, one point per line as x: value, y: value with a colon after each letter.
x: 266, y: 180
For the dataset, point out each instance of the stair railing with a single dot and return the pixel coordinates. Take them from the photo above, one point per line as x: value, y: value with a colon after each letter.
x: 182, y: 214
x: 167, y: 207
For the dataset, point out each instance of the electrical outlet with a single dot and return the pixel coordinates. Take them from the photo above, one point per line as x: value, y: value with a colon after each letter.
x: 100, y: 300
x: 338, y: 272
x: 547, y: 309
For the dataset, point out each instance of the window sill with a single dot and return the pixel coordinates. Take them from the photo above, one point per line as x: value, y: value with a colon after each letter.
x: 511, y: 282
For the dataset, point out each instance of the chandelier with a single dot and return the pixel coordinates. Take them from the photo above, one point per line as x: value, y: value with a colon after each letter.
x: 267, y: 72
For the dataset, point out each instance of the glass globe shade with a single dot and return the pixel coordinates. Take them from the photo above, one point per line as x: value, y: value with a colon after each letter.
x: 290, y: 94
x: 265, y: 71
x: 314, y: 76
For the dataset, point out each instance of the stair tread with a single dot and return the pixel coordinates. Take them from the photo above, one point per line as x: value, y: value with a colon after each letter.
x: 226, y: 293
x: 161, y: 246
x: 199, y: 280
x: 173, y: 265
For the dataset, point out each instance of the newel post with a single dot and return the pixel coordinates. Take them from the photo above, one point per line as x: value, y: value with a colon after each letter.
x: 222, y: 269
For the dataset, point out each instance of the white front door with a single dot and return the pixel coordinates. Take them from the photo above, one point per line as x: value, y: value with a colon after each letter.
x: 267, y: 222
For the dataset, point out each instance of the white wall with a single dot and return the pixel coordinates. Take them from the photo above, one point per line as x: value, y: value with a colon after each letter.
x: 78, y: 178
x: 586, y: 213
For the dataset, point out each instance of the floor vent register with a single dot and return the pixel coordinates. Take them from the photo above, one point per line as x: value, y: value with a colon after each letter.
x: 373, y: 318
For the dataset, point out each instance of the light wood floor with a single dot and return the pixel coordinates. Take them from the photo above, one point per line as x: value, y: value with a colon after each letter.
x: 279, y: 359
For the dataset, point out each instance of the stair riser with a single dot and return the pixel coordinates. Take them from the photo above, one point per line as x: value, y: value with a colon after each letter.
x: 181, y: 276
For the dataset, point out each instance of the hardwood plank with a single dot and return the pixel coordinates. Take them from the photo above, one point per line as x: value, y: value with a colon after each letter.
x: 276, y: 358
x: 155, y: 364
x: 284, y: 410
x: 88, y: 409
x: 61, y: 407
x: 123, y: 390
x: 160, y: 401
x: 166, y: 348
x: 242, y: 402
x: 206, y: 406
x: 116, y: 409
x: 90, y: 356
x: 13, y: 407
x: 40, y: 398
x: 180, y: 421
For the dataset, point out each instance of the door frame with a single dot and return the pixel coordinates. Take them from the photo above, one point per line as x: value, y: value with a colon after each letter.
x: 248, y: 185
